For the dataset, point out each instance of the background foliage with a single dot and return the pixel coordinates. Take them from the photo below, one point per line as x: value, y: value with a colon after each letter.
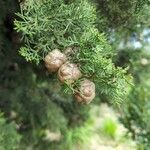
x: 33, y: 102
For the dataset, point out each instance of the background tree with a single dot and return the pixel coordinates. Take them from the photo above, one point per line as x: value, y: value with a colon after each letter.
x: 101, y: 35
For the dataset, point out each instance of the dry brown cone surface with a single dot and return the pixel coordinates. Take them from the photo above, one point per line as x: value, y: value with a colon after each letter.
x: 69, y: 72
x: 54, y: 60
x: 86, y: 92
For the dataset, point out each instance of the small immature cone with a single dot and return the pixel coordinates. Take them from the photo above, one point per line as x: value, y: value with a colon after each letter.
x: 54, y: 60
x: 68, y: 51
x: 69, y: 72
x: 86, y: 92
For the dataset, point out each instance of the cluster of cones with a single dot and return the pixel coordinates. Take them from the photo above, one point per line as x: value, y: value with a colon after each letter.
x: 56, y: 61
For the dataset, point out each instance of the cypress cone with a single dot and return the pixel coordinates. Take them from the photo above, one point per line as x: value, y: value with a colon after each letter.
x: 69, y: 72
x: 86, y: 92
x: 54, y: 60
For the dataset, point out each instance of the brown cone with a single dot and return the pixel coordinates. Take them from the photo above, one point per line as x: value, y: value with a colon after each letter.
x: 86, y: 92
x: 54, y: 60
x: 69, y: 72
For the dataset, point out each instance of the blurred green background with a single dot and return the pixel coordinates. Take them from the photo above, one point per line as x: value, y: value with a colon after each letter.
x: 37, y: 115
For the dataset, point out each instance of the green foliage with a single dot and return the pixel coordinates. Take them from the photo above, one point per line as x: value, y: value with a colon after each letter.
x: 79, y: 135
x: 49, y: 24
x: 9, y: 138
x: 127, y: 22
x: 109, y: 128
x: 39, y: 104
x: 52, y: 24
x: 136, y: 109
x: 38, y: 100
x: 122, y: 13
